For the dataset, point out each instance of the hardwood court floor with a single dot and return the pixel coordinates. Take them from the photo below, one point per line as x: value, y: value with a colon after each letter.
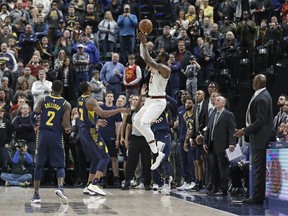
x: 16, y: 201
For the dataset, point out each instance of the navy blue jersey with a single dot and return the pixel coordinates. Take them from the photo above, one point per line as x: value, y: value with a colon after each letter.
x: 188, y: 120
x: 87, y: 118
x: 109, y: 132
x: 52, y: 113
x: 161, y: 123
x: 182, y: 129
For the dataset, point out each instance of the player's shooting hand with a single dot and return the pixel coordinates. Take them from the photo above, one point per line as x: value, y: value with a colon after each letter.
x: 142, y: 37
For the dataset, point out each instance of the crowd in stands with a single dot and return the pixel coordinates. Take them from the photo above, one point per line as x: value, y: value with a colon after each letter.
x: 96, y: 41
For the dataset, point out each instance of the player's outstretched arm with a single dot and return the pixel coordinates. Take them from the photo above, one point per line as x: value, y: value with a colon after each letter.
x: 92, y: 104
x: 66, y: 118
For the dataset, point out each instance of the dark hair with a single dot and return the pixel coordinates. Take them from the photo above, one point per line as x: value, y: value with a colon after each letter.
x: 84, y: 86
x: 57, y: 86
x: 286, y: 97
x: 24, y: 81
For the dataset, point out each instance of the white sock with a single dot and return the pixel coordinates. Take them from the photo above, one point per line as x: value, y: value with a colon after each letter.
x: 153, y: 147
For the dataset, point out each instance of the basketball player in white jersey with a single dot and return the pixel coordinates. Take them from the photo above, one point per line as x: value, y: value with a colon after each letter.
x: 156, y: 102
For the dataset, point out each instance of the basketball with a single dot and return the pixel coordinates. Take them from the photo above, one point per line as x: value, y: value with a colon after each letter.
x: 146, y: 26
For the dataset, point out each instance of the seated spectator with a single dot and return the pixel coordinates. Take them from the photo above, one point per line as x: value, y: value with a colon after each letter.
x: 98, y: 88
x: 20, y: 162
x: 4, y: 11
x: 51, y: 73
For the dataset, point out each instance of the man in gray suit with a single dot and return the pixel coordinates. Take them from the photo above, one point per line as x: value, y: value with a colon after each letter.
x: 218, y: 137
x: 259, y: 128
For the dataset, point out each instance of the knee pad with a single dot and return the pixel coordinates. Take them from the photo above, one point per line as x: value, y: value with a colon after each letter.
x: 103, y: 163
x: 38, y: 172
x: 60, y: 173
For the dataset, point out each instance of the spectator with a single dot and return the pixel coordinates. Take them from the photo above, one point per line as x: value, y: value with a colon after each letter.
x: 21, y: 161
x: 58, y: 62
x: 51, y: 73
x: 19, y: 18
x: 206, y: 30
x: 5, y: 35
x: 79, y: 6
x: 52, y: 19
x: 27, y: 43
x: 191, y: 14
x: 41, y: 87
x: 4, y: 11
x: 23, y: 128
x: 263, y: 10
x: 184, y: 23
x: 108, y: 30
x: 44, y: 48
x: 227, y: 26
x: 174, y: 79
x: 42, y: 6
x: 71, y: 18
x: 112, y: 75
x: 6, y: 137
x: 81, y: 61
x: 98, y: 88
x: 115, y: 9
x: 226, y: 9
x: 208, y: 10
x: 91, y: 49
x: 26, y: 76
x: 59, y: 32
x: 284, y: 11
x: 24, y: 91
x: 5, y: 72
x: 67, y: 75
x: 132, y: 77
x: 35, y: 65
x: 6, y: 87
x: 40, y: 28
x: 191, y: 73
x: 127, y: 24
x: 62, y: 44
x: 91, y: 18
x: 166, y: 41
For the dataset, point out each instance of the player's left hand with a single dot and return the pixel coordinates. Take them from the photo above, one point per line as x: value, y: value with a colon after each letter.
x: 142, y: 37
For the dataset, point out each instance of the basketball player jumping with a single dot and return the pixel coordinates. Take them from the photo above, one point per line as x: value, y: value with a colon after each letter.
x: 156, y: 103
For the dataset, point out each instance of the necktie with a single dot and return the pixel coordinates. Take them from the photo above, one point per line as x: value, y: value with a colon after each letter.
x: 197, y: 116
x: 216, y: 117
x: 210, y: 111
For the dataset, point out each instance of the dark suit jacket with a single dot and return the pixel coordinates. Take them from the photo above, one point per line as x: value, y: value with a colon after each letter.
x: 223, y: 132
x: 261, y: 130
x: 203, y: 118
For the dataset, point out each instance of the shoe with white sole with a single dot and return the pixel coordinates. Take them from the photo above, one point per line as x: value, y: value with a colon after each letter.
x: 140, y: 186
x: 96, y: 189
x: 167, y: 187
x: 88, y: 192
x: 183, y: 186
x: 36, y: 198
x: 191, y: 185
x: 158, y: 160
x: 60, y: 193
x: 155, y: 187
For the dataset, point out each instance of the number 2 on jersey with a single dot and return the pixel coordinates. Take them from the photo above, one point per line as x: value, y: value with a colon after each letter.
x: 51, y: 115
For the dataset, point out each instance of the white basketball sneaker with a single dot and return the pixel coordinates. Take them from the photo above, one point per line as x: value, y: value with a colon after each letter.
x: 158, y: 161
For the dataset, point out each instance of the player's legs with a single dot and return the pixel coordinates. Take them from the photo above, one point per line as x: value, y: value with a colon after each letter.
x: 151, y: 110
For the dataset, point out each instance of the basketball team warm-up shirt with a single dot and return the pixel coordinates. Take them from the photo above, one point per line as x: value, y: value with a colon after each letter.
x: 87, y: 118
x: 52, y: 113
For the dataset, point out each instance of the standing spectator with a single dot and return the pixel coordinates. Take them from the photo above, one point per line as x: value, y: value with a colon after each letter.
x: 8, y: 58
x: 226, y: 9
x: 81, y: 62
x: 219, y: 137
x: 35, y: 65
x: 91, y: 49
x: 6, y: 87
x: 115, y: 9
x: 52, y: 19
x: 26, y: 76
x: 5, y: 35
x: 19, y: 18
x: 112, y: 75
x: 71, y: 18
x: 4, y: 11
x: 263, y: 10
x: 259, y: 128
x: 191, y: 73
x: 227, y: 26
x: 79, y: 6
x: 43, y: 6
x: 41, y: 87
x: 6, y: 137
x: 208, y: 10
x: 174, y: 79
x: 27, y: 43
x: 127, y: 24
x: 108, y: 30
x: 24, y: 129
x: 62, y: 44
x: 40, y: 28
x: 184, y: 23
x: 91, y: 18
x: 21, y: 161
x: 98, y: 88
x: 132, y: 77
x: 58, y: 62
x: 67, y: 75
x: 5, y: 72
x: 166, y: 41
x: 111, y: 135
